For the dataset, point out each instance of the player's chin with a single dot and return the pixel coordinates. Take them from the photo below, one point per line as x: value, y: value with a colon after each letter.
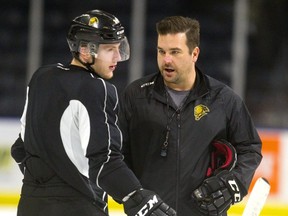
x: 109, y: 75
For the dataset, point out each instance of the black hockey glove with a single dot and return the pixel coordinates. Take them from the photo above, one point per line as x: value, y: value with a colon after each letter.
x: 218, y: 193
x: 18, y: 153
x: 144, y: 203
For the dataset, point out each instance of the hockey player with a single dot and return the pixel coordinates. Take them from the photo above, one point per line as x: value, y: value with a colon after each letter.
x: 69, y: 145
x: 170, y: 120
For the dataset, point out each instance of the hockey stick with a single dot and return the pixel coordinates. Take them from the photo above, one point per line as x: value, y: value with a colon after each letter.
x: 257, y: 197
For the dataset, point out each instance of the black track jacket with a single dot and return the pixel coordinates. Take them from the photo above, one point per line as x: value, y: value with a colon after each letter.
x: 211, y: 111
x: 70, y: 124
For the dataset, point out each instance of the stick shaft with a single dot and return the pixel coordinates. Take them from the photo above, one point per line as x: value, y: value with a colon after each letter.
x: 257, y: 197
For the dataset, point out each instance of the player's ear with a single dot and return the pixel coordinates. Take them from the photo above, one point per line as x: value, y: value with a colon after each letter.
x: 84, y: 50
x: 84, y: 54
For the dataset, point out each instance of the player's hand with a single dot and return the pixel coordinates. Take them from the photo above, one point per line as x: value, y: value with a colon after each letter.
x: 218, y: 193
x: 144, y: 203
x: 18, y: 153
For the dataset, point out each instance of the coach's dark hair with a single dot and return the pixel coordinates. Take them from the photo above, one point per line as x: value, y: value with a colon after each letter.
x: 180, y: 24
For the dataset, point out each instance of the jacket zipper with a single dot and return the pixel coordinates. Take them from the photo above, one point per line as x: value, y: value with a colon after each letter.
x: 178, y: 158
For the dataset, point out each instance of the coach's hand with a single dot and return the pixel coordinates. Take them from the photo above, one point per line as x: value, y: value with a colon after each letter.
x: 144, y: 203
x: 218, y: 193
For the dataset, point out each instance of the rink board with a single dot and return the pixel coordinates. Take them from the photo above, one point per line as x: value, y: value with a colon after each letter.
x: 270, y: 209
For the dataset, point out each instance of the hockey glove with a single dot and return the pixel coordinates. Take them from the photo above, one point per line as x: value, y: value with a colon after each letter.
x: 144, y: 203
x: 218, y: 193
x: 18, y: 153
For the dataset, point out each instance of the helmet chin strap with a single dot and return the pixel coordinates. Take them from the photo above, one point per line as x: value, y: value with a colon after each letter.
x: 86, y: 64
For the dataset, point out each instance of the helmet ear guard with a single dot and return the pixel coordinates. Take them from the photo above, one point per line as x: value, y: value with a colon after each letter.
x: 223, y: 157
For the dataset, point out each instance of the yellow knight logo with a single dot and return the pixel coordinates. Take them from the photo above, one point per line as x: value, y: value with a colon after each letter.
x: 200, y: 111
x: 93, y: 21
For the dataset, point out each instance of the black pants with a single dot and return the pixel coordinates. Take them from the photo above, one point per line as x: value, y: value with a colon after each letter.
x: 45, y: 194
x: 57, y: 206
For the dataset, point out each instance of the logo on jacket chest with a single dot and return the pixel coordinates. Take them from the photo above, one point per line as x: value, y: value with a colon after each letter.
x: 200, y: 111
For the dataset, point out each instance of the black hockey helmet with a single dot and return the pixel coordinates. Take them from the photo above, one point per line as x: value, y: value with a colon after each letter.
x: 94, y: 28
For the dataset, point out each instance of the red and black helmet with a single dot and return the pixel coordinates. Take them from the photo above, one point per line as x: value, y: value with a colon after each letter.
x: 223, y: 157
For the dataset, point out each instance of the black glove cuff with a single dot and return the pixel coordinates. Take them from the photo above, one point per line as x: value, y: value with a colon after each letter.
x: 141, y: 200
x: 234, y: 185
x: 145, y: 202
